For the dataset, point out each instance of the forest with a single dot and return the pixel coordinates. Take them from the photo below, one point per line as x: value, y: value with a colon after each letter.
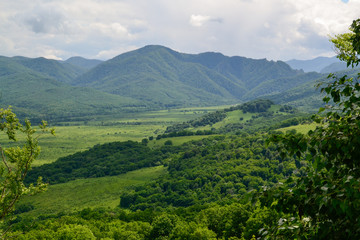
x: 255, y: 170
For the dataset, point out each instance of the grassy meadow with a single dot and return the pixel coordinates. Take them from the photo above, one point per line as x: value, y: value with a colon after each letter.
x: 177, y: 140
x: 105, y: 191
x: 89, y: 192
x: 71, y: 137
x: 302, y: 128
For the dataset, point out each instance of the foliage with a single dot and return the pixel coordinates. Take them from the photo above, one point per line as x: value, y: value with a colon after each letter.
x: 325, y: 202
x: 257, y: 115
x: 347, y: 45
x: 234, y: 221
x: 256, y: 106
x: 216, y: 169
x: 16, y: 161
x: 108, y: 159
x: 89, y: 192
x: 207, y: 119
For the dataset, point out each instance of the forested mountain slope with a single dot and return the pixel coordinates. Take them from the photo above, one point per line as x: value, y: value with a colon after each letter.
x: 83, y: 62
x: 157, y: 73
x: 63, y: 72
x: 152, y: 77
x: 37, y: 95
x: 306, y: 96
x: 312, y: 65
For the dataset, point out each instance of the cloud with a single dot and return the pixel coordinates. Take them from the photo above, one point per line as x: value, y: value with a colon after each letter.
x: 200, y: 20
x: 45, y: 21
x: 275, y: 29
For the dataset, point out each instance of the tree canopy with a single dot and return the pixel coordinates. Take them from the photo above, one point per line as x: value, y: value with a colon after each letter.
x: 325, y: 203
x: 16, y: 162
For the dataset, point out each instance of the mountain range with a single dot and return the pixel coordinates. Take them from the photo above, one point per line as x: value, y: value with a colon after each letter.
x: 152, y: 77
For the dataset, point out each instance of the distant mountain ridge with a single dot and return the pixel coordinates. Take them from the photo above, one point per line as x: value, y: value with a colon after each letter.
x: 63, y: 72
x: 159, y: 74
x: 37, y: 88
x: 152, y: 77
x: 319, y: 64
x: 83, y: 62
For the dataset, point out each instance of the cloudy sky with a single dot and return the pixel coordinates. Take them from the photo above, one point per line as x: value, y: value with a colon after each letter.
x: 102, y: 29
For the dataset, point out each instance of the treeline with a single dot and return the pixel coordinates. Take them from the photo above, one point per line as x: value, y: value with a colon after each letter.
x: 265, y: 122
x: 101, y: 160
x: 185, y: 133
x: 216, y: 169
x: 208, y: 119
x: 255, y: 106
x: 235, y: 221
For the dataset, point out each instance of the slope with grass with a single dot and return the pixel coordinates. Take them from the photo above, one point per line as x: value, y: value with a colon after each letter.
x: 108, y: 159
x: 39, y: 96
x: 90, y: 192
x: 61, y: 71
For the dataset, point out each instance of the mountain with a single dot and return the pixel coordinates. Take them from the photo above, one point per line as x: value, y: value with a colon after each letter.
x: 83, y: 62
x: 152, y: 77
x: 63, y: 72
x: 37, y: 95
x: 165, y: 77
x: 312, y: 65
x: 306, y: 96
x: 336, y: 67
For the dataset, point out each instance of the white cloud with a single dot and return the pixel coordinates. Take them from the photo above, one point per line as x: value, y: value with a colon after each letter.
x: 199, y: 20
x: 276, y: 29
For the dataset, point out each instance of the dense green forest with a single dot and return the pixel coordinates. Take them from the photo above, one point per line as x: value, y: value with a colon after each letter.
x: 203, y: 178
x: 102, y: 160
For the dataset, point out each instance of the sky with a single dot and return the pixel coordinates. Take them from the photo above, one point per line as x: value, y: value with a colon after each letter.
x: 103, y: 29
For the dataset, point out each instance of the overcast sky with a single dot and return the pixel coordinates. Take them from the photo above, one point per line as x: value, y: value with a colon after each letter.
x: 102, y: 29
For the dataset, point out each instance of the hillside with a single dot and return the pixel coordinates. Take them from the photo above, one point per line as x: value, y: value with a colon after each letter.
x: 162, y: 76
x: 62, y: 72
x: 152, y: 77
x: 312, y: 65
x: 37, y: 95
x: 306, y: 96
x: 83, y: 62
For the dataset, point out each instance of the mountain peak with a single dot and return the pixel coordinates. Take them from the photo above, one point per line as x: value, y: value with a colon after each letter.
x: 83, y: 62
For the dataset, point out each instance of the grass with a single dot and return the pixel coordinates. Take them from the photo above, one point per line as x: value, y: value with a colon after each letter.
x: 303, y: 128
x: 72, y: 137
x: 90, y: 192
x: 177, y: 140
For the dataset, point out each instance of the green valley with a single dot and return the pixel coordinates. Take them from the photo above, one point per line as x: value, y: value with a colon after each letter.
x: 158, y: 144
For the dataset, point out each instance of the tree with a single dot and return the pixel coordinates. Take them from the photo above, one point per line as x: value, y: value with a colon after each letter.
x: 326, y: 202
x: 16, y: 161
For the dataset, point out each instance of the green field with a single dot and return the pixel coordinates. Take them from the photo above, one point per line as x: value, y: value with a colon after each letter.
x: 303, y: 128
x: 177, y: 140
x: 105, y: 191
x: 79, y: 136
x: 90, y: 192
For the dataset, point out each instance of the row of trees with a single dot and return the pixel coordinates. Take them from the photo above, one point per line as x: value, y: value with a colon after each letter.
x: 108, y: 159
